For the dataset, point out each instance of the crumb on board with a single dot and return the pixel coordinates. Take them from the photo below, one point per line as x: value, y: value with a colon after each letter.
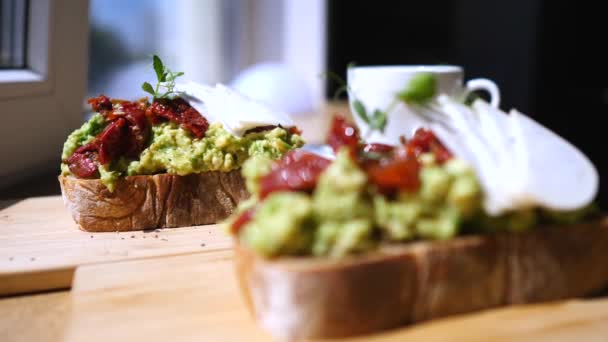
x: 202, y: 245
x: 164, y: 239
x: 132, y: 236
x: 32, y: 259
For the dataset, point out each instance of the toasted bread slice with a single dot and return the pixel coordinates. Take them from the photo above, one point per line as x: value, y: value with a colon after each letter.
x: 156, y: 201
x: 411, y: 282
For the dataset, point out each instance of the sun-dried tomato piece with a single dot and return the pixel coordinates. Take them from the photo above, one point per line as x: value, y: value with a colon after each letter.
x: 194, y: 122
x: 111, y: 141
x: 294, y: 130
x: 100, y: 103
x: 442, y: 155
x: 139, y: 129
x: 296, y: 171
x: 126, y: 134
x: 245, y: 217
x: 83, y: 162
x: 342, y: 133
x: 179, y: 111
x: 425, y: 141
x: 397, y: 173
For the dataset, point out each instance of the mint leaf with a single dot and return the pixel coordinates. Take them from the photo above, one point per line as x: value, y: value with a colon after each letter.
x: 165, y: 80
x: 147, y: 87
x: 378, y: 120
x: 361, y: 111
x: 159, y: 68
x: 171, y: 76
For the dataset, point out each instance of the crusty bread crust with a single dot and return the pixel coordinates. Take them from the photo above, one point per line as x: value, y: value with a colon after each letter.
x: 156, y: 201
x: 399, y: 284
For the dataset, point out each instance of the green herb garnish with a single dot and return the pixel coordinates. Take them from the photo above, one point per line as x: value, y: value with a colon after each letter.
x: 165, y: 81
x: 376, y: 120
x: 419, y: 90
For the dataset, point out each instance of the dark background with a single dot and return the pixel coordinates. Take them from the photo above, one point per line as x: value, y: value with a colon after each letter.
x: 549, y: 58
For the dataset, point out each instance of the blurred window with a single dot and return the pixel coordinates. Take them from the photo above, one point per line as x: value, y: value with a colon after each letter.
x: 42, y: 80
x: 211, y: 41
x: 188, y: 35
x: 13, y: 21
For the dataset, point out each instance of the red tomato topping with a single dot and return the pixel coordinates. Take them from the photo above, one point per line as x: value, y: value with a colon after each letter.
x: 126, y: 134
x: 242, y: 220
x: 295, y: 130
x: 390, y: 168
x: 425, y: 141
x: 139, y: 128
x: 83, y: 162
x: 397, y: 173
x: 179, y: 111
x: 342, y: 133
x: 100, y: 103
x: 111, y: 141
x: 296, y: 171
x: 400, y: 172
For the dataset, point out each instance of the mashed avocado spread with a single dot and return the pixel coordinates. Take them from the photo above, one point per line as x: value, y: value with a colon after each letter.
x: 345, y: 214
x: 174, y: 150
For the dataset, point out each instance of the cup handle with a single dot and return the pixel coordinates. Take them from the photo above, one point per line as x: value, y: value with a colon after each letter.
x: 485, y: 85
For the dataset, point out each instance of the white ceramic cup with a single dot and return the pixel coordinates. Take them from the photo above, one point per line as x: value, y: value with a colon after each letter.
x: 376, y: 87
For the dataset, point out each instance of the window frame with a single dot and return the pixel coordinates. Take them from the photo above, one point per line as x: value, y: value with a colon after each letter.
x: 41, y: 104
x: 35, y: 78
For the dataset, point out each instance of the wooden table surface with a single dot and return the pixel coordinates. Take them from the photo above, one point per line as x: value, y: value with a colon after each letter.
x: 71, y: 315
x: 44, y: 316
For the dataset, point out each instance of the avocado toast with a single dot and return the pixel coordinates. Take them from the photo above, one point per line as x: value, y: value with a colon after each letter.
x: 384, y: 235
x: 163, y: 163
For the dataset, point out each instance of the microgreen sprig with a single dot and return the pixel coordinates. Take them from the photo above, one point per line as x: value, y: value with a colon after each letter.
x: 165, y: 80
x: 419, y: 90
x: 376, y: 120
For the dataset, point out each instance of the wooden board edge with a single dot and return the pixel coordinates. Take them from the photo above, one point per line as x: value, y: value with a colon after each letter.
x: 36, y: 281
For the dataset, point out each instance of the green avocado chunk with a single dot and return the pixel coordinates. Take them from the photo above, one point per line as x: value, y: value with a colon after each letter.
x: 340, y: 192
x: 282, y: 225
x: 253, y: 169
x: 175, y: 151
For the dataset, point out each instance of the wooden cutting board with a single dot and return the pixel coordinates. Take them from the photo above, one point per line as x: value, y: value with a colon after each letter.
x: 195, y: 298
x: 40, y: 245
